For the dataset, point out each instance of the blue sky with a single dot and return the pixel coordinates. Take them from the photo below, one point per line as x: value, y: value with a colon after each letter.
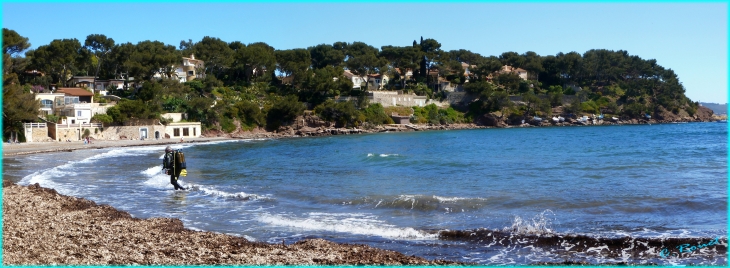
x: 690, y: 38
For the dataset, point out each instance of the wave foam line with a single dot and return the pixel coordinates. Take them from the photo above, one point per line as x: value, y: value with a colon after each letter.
x: 382, y: 155
x: 346, y: 223
x: 215, y: 192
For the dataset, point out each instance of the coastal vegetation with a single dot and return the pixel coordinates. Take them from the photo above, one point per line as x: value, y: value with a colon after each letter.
x: 255, y: 85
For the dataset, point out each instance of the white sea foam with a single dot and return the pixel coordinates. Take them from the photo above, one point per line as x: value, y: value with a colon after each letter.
x: 232, y: 141
x: 44, y: 179
x: 157, y: 180
x: 443, y: 199
x: 358, y: 224
x: 208, y: 190
x: 539, y: 224
x: 70, y: 169
x: 382, y: 155
x: 117, y: 152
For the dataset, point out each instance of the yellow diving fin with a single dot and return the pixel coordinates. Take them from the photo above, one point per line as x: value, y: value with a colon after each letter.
x: 183, y: 172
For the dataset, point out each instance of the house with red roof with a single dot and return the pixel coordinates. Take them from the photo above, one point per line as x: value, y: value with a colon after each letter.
x: 74, y: 105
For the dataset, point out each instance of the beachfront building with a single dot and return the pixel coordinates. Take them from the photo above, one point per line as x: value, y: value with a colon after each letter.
x: 47, y: 101
x: 177, y: 129
x: 74, y: 106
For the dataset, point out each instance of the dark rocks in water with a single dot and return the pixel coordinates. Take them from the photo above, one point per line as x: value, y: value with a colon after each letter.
x: 569, y: 245
x: 490, y: 120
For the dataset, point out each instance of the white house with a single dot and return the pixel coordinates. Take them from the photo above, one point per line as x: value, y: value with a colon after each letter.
x: 396, y: 98
x: 98, y: 85
x: 47, y: 100
x: 357, y: 81
x: 522, y: 73
x: 377, y: 81
x: 189, y: 69
x: 75, y: 105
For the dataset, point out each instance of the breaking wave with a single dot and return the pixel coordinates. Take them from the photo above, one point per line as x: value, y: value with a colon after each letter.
x: 359, y: 224
x: 425, y: 203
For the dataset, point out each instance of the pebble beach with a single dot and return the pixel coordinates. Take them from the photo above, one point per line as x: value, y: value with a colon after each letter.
x: 43, y: 227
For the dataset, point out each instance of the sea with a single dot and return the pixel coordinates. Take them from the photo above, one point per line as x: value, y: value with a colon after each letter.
x: 635, y: 194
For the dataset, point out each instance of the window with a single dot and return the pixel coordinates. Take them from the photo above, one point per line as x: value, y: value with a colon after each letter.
x: 191, y: 73
x: 71, y: 100
x: 194, y: 132
x: 175, y: 132
x: 46, y: 104
x: 78, y: 113
x: 186, y: 132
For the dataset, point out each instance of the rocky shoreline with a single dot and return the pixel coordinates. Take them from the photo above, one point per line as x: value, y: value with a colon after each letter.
x: 43, y: 227
x: 312, y: 129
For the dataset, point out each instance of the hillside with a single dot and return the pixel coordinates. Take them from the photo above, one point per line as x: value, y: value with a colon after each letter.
x: 719, y: 109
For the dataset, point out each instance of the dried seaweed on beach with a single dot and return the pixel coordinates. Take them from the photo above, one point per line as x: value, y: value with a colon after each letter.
x: 41, y: 226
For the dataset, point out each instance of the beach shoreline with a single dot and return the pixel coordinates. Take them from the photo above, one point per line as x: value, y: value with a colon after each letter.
x: 83, y: 232
x: 90, y: 234
x: 15, y: 149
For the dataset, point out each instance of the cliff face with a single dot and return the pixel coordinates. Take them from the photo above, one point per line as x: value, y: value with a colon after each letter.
x: 704, y: 114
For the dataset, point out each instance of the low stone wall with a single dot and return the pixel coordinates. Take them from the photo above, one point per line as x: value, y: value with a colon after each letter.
x: 128, y: 132
x: 35, y: 132
x: 68, y: 134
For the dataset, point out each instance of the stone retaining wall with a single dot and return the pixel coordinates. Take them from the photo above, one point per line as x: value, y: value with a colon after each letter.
x: 128, y: 132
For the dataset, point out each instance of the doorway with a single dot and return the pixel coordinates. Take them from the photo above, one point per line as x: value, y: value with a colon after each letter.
x: 143, y: 133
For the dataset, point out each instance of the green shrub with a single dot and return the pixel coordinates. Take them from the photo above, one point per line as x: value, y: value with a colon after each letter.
x: 53, y: 118
x: 556, y: 98
x: 283, y: 111
x: 343, y: 114
x: 227, y: 125
x: 250, y: 114
x: 432, y: 114
x: 634, y: 110
x: 589, y: 107
x: 375, y: 114
x: 102, y: 118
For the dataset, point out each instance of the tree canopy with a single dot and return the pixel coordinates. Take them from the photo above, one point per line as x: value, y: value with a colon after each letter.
x: 240, y: 78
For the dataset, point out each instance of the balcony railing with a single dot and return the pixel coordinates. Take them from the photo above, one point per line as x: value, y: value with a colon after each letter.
x: 34, y: 125
x: 97, y: 125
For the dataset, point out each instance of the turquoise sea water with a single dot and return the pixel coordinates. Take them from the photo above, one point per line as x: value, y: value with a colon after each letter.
x: 499, y: 191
